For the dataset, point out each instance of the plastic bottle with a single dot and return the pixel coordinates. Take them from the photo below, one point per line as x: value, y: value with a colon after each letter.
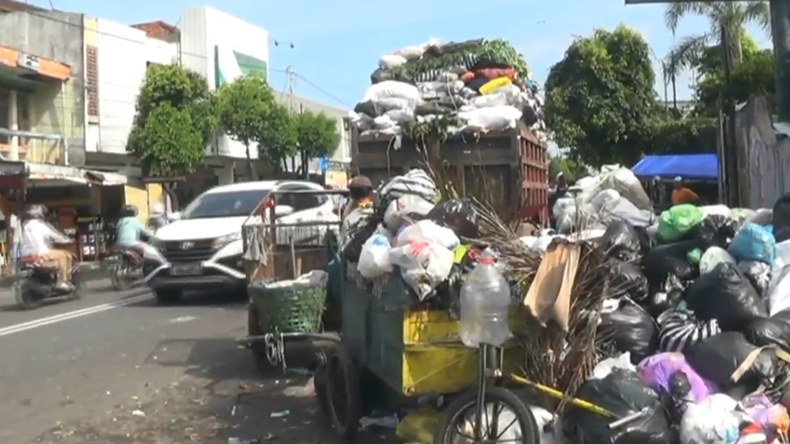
x: 485, y: 299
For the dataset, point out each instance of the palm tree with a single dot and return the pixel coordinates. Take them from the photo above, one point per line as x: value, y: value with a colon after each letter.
x: 727, y: 22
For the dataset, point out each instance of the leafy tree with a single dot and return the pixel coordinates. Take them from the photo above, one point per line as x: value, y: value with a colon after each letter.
x: 174, y: 121
x: 600, y: 100
x: 571, y: 169
x: 317, y: 134
x: 245, y: 106
x: 723, y: 17
x: 752, y: 76
x: 278, y: 138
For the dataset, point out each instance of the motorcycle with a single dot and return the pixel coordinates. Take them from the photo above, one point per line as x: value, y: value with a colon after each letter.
x: 36, y: 281
x: 126, y: 269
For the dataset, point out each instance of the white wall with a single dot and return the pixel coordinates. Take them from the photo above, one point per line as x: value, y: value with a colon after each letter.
x: 203, y: 29
x: 124, y: 53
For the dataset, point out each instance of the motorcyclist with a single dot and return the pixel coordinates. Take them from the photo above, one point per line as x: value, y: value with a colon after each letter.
x: 130, y: 229
x: 158, y: 217
x: 38, y: 238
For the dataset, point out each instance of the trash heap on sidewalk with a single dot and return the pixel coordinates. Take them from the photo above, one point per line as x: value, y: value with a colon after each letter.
x: 475, y: 86
x: 683, y: 316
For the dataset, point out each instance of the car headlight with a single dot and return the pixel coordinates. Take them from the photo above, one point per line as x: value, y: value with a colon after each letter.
x: 225, y: 240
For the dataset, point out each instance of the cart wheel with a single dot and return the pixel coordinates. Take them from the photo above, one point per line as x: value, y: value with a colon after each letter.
x: 258, y: 348
x: 342, y: 387
x: 459, y: 418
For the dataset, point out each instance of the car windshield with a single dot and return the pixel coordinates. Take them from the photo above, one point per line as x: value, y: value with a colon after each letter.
x: 224, y: 204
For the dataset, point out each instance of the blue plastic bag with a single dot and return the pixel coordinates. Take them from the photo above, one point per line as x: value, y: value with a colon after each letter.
x: 753, y: 243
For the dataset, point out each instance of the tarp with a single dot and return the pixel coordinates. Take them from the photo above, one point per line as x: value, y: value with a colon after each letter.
x: 687, y: 166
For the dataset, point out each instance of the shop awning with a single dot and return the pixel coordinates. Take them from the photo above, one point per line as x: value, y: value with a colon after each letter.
x: 46, y: 175
x: 687, y: 166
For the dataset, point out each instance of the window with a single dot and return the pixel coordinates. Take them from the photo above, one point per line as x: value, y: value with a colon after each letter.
x: 300, y: 202
x: 224, y: 204
x: 23, y: 114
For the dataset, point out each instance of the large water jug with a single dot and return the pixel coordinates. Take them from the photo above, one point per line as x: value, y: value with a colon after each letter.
x: 485, y: 299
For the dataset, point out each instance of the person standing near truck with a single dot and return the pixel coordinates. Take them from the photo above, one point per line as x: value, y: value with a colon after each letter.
x: 682, y: 195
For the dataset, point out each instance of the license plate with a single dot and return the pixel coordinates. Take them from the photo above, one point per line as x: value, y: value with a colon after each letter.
x: 186, y: 269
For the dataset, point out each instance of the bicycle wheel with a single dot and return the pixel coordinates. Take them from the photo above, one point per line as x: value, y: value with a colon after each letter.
x: 505, y: 418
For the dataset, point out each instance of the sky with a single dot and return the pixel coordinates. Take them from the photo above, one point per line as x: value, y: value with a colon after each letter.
x: 337, y: 44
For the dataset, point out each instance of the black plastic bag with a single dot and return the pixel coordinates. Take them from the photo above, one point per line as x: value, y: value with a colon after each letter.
x: 628, y: 280
x: 758, y: 273
x: 663, y: 260
x: 629, y: 328
x: 458, y: 215
x: 781, y: 218
x: 621, y: 241
x: 718, y: 357
x: 772, y: 331
x: 646, y: 240
x: 715, y: 230
x: 726, y: 295
x: 622, y: 393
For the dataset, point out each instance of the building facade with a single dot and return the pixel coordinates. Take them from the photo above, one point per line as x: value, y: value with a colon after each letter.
x: 82, y: 77
x: 42, y: 89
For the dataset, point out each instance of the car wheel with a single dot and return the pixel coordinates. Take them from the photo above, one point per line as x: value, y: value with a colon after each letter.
x: 167, y: 295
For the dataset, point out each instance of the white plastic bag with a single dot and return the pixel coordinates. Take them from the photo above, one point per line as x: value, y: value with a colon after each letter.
x: 714, y: 256
x: 405, y: 205
x: 428, y: 230
x: 490, y: 100
x: 762, y: 216
x: 712, y: 421
x: 779, y: 291
x: 603, y: 368
x: 491, y: 119
x: 423, y: 265
x: 374, y: 259
x: 718, y: 210
x: 391, y: 61
x: 391, y: 89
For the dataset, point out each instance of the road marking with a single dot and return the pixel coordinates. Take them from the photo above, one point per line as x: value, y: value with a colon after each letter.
x: 72, y: 314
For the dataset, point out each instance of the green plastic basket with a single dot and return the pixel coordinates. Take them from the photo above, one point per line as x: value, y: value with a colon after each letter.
x: 283, y: 309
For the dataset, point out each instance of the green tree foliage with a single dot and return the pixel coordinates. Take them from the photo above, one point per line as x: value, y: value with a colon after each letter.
x: 600, y: 100
x: 754, y: 75
x: 175, y: 120
x: 246, y: 106
x: 723, y: 17
x: 317, y: 134
x: 569, y: 168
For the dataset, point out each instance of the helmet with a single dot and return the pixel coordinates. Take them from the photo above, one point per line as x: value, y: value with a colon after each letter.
x: 130, y: 211
x: 35, y: 211
x: 158, y: 208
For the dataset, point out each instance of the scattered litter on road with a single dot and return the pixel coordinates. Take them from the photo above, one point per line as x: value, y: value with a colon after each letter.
x: 138, y: 413
x: 243, y: 441
x: 233, y: 410
x: 387, y: 422
x: 281, y: 414
x: 300, y: 391
x: 181, y: 319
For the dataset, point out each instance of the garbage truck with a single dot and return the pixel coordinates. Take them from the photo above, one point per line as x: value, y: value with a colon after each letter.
x: 507, y: 169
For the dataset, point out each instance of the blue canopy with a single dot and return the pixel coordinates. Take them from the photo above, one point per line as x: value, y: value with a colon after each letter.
x: 687, y: 166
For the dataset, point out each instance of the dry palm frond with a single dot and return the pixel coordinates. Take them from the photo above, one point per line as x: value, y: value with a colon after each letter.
x: 556, y: 358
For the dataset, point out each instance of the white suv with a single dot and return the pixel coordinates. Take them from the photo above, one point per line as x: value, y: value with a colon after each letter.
x: 203, y: 247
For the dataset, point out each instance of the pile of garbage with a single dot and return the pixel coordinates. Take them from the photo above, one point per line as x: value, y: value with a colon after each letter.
x: 692, y: 325
x: 478, y: 85
x: 698, y: 333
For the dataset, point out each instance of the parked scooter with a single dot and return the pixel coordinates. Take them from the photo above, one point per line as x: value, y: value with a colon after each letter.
x: 36, y: 281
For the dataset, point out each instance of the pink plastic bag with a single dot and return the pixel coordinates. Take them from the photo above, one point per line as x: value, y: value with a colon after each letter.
x: 656, y: 372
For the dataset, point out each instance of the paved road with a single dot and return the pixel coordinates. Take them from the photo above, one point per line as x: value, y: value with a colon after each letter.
x: 117, y: 368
